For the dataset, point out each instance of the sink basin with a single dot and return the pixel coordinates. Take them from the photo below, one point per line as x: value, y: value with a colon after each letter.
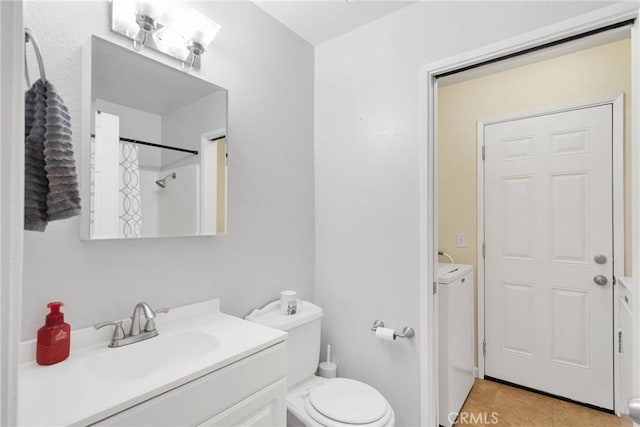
x: 139, y: 360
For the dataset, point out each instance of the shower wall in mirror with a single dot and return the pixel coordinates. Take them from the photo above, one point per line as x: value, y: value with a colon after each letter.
x: 156, y: 145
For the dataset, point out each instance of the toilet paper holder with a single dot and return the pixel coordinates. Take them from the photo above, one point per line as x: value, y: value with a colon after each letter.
x: 407, y: 331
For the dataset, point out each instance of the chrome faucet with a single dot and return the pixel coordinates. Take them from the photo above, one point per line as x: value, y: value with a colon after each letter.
x: 135, y: 334
x: 141, y: 307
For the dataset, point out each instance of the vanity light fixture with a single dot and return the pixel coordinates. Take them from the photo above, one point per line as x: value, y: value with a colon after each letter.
x: 147, y: 15
x: 180, y: 32
x: 197, y: 29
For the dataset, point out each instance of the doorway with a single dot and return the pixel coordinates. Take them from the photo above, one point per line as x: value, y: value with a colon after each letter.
x: 213, y: 178
x: 471, y: 240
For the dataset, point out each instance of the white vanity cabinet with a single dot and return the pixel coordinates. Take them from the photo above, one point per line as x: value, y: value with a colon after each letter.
x: 249, y: 392
x: 203, y: 368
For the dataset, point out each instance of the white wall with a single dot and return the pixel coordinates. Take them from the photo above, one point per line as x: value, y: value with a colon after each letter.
x: 270, y: 240
x: 179, y: 204
x: 183, y: 127
x: 149, y: 197
x: 137, y: 124
x: 366, y: 176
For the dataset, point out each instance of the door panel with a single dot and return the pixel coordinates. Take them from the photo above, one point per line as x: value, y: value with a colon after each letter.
x: 569, y: 214
x: 548, y: 211
x: 518, y: 215
x: 518, y: 323
x: 570, y: 337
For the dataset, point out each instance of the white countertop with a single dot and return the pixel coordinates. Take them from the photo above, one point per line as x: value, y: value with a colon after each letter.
x: 78, y: 392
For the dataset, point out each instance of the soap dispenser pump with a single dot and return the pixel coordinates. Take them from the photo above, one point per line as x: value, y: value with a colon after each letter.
x: 54, y: 338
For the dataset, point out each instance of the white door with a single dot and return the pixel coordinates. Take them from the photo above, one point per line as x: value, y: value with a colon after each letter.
x: 548, y: 213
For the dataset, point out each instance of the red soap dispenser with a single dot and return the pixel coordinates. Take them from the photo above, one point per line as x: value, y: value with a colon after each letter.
x: 54, y: 338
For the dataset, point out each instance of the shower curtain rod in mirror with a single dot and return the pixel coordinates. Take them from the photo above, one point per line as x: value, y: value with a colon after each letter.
x: 151, y: 144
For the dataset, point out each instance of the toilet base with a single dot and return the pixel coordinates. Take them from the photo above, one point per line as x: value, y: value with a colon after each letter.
x: 296, y: 414
x: 293, y: 421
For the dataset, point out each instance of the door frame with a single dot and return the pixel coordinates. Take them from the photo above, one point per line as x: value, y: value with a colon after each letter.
x: 205, y: 140
x: 428, y: 172
x: 617, y: 103
x: 11, y: 202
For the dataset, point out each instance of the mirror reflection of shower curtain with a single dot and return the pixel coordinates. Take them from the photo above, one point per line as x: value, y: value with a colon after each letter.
x: 130, y: 201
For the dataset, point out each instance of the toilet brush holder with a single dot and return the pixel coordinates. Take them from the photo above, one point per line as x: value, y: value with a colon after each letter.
x: 328, y: 369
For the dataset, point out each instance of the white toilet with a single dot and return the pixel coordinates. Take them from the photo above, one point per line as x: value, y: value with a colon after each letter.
x: 311, y: 400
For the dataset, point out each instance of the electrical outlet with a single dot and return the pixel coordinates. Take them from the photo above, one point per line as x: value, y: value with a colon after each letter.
x: 461, y: 240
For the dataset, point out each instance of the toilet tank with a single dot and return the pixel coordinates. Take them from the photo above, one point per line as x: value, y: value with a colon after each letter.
x: 303, y: 340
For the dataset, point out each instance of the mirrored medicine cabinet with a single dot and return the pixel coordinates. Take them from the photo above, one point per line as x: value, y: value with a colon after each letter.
x: 154, y: 148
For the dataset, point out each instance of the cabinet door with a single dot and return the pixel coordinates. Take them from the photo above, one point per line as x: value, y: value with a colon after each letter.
x: 267, y: 407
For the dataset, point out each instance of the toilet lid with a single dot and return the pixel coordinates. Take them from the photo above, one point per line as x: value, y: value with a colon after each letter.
x: 348, y: 401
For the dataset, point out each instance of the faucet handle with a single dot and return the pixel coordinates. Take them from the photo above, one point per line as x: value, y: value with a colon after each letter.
x: 150, y: 326
x: 118, y: 333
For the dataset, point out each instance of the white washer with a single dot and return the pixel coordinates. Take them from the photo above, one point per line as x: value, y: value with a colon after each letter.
x: 455, y: 339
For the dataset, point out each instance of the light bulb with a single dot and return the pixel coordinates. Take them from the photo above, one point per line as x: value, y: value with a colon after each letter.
x: 170, y: 42
x: 192, y: 25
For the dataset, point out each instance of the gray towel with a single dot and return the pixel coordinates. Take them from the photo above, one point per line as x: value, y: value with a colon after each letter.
x: 36, y: 186
x: 51, y: 181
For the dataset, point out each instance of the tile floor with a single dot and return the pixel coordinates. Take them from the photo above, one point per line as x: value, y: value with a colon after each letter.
x: 515, y: 407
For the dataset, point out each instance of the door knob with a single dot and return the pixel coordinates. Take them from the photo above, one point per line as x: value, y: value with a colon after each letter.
x: 600, y: 259
x: 634, y: 409
x: 600, y: 280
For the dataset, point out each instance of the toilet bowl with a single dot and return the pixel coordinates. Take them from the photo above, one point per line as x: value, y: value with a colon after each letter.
x: 313, y: 401
x: 337, y: 402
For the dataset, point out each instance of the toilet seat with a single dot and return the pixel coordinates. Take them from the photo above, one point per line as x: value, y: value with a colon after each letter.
x: 328, y: 422
x: 346, y: 402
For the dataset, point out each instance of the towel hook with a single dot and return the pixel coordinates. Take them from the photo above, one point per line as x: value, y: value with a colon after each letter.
x: 29, y: 37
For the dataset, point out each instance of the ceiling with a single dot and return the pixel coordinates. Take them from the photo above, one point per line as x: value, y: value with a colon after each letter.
x: 124, y: 77
x: 319, y: 21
